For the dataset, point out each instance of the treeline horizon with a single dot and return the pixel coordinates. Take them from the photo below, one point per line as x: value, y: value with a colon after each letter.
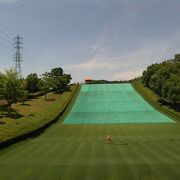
x: 164, y: 79
x: 103, y: 81
x: 14, y: 88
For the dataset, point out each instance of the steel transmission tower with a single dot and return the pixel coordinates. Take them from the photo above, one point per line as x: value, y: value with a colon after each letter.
x: 18, y: 56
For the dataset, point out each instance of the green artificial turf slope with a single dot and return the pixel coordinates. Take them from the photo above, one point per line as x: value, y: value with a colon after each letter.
x: 112, y: 104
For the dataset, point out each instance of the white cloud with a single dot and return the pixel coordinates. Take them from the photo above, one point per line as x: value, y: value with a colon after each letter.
x: 100, y: 63
x: 127, y: 75
x: 114, y: 68
x: 123, y: 67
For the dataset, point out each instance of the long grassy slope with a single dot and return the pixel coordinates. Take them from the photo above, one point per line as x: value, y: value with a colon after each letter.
x: 15, y: 128
x: 138, y: 152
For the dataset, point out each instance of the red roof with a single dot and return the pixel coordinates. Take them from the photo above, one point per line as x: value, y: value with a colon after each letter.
x: 88, y: 79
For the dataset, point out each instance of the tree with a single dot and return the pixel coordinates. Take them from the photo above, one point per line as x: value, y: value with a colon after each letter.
x: 46, y: 83
x: 60, y: 80
x: 165, y: 89
x: 32, y: 83
x: 24, y: 92
x: 56, y: 72
x: 161, y: 76
x: 155, y: 83
x: 171, y: 89
x: 177, y: 57
x: 148, y: 74
x: 68, y: 78
x: 164, y: 79
x: 10, y: 87
x: 62, y: 83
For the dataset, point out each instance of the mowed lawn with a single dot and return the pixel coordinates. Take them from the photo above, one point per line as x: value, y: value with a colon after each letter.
x: 80, y: 152
x: 138, y: 151
x: 30, y: 107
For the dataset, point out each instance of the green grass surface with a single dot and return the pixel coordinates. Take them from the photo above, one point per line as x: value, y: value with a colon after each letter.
x: 30, y: 107
x: 112, y: 104
x: 36, y: 114
x: 155, y: 101
x: 79, y: 152
x: 138, y: 152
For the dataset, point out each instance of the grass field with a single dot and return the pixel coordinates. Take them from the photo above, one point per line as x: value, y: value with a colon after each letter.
x: 139, y: 151
x: 35, y: 114
x: 30, y: 107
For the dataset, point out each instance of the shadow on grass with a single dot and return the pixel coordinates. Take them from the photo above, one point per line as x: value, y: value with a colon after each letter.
x: 25, y: 104
x: 115, y: 143
x: 68, y: 89
x: 37, y: 132
x: 1, y: 123
x: 50, y: 99
x: 176, y: 106
x: 14, y: 114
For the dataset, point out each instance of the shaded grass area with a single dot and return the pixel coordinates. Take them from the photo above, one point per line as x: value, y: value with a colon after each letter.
x: 156, y: 101
x: 30, y: 107
x: 36, y: 114
x: 176, y: 106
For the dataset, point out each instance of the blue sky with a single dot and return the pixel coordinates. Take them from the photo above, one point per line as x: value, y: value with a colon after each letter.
x: 103, y: 39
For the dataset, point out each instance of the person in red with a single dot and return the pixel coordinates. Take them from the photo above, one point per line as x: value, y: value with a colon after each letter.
x: 108, y: 138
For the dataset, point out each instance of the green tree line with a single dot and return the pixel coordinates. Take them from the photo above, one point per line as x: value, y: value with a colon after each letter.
x: 14, y: 88
x: 164, y: 79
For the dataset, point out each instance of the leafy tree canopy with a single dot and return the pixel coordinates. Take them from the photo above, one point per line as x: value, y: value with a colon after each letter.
x: 11, y: 86
x: 32, y: 83
x: 164, y: 79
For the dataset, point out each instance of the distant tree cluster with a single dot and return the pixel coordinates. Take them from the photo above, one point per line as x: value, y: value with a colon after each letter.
x: 108, y: 82
x: 14, y: 88
x: 164, y: 79
x: 55, y: 81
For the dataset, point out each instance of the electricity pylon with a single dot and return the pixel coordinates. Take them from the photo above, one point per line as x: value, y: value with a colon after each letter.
x: 18, y: 56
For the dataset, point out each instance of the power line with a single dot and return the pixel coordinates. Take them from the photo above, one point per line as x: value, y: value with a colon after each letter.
x: 5, y: 34
x: 7, y: 30
x: 1, y: 54
x: 5, y: 52
x: 6, y: 46
x: 5, y: 40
